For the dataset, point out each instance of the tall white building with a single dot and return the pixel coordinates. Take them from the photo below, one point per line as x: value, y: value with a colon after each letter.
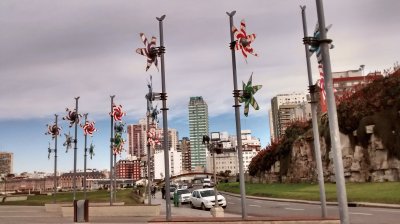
x: 286, y: 108
x: 175, y: 163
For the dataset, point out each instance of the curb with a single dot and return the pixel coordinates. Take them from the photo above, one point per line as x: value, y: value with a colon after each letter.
x: 350, y: 204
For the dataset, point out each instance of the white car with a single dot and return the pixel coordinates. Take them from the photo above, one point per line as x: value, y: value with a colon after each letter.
x: 183, y: 195
x: 205, y: 199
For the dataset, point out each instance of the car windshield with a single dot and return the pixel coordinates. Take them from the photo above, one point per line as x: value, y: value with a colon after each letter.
x: 185, y: 191
x: 207, y: 193
x: 206, y: 181
x: 172, y: 189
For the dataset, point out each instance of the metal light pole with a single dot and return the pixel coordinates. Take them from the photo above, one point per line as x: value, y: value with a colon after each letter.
x: 111, y: 150
x: 55, y: 161
x: 163, y: 97
x: 115, y: 177
x: 314, y: 120
x: 84, y: 163
x: 236, y: 94
x: 332, y: 115
x: 148, y: 158
x: 215, y: 180
x: 75, y: 145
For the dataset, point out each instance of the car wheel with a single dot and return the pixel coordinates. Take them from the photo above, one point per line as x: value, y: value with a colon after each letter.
x: 203, y: 207
x: 224, y: 207
x: 191, y: 205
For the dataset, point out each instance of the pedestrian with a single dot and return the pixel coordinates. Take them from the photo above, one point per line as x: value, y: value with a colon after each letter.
x: 163, y: 192
x: 153, y: 191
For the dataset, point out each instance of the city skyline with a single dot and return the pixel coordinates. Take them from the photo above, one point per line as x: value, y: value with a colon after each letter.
x: 54, y: 51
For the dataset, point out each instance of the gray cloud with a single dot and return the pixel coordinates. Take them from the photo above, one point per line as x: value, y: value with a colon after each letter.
x: 52, y: 51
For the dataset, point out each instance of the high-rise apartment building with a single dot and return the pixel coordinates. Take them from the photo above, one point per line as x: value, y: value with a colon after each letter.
x: 6, y: 163
x: 281, y: 106
x: 184, y: 148
x: 198, y: 126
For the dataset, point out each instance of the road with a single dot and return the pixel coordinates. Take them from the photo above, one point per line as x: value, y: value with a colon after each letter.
x: 358, y: 215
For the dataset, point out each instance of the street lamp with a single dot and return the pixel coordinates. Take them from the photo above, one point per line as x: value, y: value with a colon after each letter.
x: 215, y: 148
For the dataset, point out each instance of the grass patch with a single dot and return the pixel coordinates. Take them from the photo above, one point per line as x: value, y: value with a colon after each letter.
x: 387, y: 192
x: 67, y: 197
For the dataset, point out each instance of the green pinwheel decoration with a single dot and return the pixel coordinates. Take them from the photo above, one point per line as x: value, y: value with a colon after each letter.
x: 247, y: 96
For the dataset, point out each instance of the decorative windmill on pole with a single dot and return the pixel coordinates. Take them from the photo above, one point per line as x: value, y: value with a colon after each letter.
x: 117, y: 142
x: 150, y: 114
x: 88, y: 129
x: 152, y: 53
x: 243, y: 43
x: 314, y: 120
x: 54, y: 131
x: 74, y: 118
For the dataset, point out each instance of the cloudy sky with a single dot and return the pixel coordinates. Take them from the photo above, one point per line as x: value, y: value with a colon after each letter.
x: 52, y: 51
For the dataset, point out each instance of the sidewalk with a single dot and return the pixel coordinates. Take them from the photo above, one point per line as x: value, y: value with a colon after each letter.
x: 350, y: 204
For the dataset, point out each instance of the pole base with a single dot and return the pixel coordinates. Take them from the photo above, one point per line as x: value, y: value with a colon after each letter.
x: 217, y: 211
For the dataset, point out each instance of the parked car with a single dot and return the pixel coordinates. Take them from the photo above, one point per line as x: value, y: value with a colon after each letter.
x: 205, y: 199
x: 183, y: 195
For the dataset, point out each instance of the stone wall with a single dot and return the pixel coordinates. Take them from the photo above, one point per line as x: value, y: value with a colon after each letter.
x: 360, y: 164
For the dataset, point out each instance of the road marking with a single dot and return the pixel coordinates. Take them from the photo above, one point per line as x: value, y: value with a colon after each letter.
x: 231, y: 203
x: 382, y: 210
x: 255, y: 206
x: 19, y: 211
x: 295, y: 209
x: 360, y: 213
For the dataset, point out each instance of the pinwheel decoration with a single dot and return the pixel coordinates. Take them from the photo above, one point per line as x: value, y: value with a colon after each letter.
x: 315, y: 45
x: 154, y: 113
x: 153, y: 137
x: 49, y: 150
x: 117, y: 112
x: 72, y: 117
x: 88, y: 128
x: 91, y: 150
x: 243, y: 41
x: 68, y: 142
x: 53, y: 130
x: 118, y: 144
x: 247, y: 96
x: 150, y: 51
x: 119, y: 127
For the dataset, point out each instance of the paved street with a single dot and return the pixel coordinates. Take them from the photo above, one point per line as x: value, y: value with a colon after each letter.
x: 358, y: 215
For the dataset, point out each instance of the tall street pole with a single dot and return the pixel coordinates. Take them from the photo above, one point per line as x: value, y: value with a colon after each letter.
x: 111, y: 150
x: 333, y: 121
x: 314, y: 120
x: 164, y: 109
x: 84, y: 163
x: 115, y: 177
x: 55, y: 161
x: 148, y: 158
x: 75, y: 144
x: 237, y: 117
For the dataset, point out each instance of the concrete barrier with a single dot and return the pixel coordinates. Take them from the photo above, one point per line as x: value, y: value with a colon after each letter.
x: 115, y: 210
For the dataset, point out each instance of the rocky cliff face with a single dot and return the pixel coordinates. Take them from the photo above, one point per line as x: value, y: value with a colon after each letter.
x: 371, y: 164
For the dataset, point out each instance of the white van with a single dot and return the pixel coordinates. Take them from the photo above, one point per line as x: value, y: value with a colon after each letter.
x: 206, y: 183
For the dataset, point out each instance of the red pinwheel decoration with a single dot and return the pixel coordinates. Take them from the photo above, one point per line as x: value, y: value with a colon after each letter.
x: 117, y: 113
x: 149, y: 51
x: 88, y: 128
x: 53, y: 130
x: 153, y: 137
x: 243, y: 40
x: 72, y: 117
